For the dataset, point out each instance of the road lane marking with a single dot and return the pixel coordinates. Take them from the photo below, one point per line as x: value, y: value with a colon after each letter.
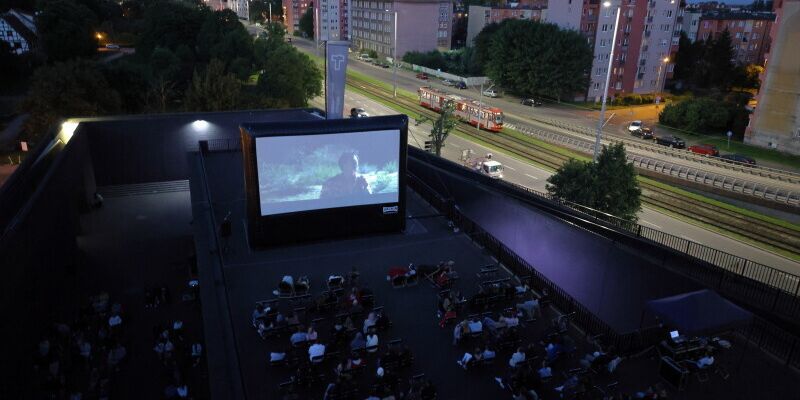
x: 531, y: 176
x: 454, y: 145
x: 650, y: 223
x: 509, y: 167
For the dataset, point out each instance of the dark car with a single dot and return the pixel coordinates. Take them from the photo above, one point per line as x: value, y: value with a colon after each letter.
x: 358, y: 113
x: 531, y: 102
x: 644, y: 133
x: 422, y: 76
x: 460, y: 85
x: 671, y: 141
x: 738, y: 158
x: 704, y: 149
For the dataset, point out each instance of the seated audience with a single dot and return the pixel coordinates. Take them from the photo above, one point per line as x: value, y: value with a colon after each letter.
x: 285, y: 286
x: 530, y: 309
x: 488, y: 353
x: 358, y: 342
x: 475, y: 325
x: 259, y: 314
x: 311, y: 335
x: 316, y: 350
x: 509, y: 321
x: 372, y: 342
x: 518, y: 356
x: 370, y: 321
x: 545, y: 371
x: 298, y: 337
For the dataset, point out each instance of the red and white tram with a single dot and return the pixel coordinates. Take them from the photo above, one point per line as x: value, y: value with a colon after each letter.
x: 468, y: 110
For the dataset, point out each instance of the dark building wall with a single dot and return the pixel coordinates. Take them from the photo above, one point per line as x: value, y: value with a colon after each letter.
x: 153, y: 148
x: 38, y: 257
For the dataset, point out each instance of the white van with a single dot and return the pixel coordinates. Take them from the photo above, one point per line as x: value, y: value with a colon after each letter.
x: 490, y: 93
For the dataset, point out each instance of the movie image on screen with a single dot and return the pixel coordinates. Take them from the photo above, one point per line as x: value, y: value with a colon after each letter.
x: 313, y: 172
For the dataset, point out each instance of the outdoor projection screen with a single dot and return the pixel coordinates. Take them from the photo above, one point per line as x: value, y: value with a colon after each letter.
x: 314, y: 172
x: 325, y: 179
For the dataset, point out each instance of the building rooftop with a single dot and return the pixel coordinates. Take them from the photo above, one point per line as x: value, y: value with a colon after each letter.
x: 737, y: 15
x: 157, y: 226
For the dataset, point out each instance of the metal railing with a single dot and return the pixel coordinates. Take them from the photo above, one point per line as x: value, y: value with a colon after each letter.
x: 767, y: 172
x: 765, y: 335
x: 691, y: 174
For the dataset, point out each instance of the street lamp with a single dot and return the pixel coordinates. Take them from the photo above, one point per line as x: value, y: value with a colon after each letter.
x: 601, y: 121
x: 394, y: 55
x: 663, y: 81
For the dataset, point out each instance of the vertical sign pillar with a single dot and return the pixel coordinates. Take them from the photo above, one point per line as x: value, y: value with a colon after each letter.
x: 335, y: 75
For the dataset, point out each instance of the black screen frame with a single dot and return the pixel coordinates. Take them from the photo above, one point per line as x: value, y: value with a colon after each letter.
x: 329, y: 223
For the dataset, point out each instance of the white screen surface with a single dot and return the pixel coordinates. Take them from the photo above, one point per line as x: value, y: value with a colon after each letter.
x: 313, y: 172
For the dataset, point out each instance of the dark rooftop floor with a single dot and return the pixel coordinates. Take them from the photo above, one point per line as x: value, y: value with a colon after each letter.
x: 251, y: 275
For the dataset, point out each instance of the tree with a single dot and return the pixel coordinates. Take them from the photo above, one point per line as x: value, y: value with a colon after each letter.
x: 617, y: 188
x: 720, y: 56
x: 610, y: 185
x: 527, y: 58
x: 69, y: 89
x: 440, y: 127
x: 697, y: 115
x: 685, y: 58
x: 482, y: 44
x: 169, y: 24
x: 213, y: 89
x: 306, y: 23
x: 66, y: 30
x: 288, y: 78
x: 223, y: 37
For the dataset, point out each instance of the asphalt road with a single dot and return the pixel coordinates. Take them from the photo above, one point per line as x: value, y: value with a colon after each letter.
x: 531, y: 176
x: 516, y: 114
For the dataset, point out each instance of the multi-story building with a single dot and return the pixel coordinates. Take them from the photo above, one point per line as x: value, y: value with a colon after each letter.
x: 776, y: 121
x: 333, y: 19
x: 647, y: 36
x: 480, y: 16
x: 18, y: 30
x: 293, y: 10
x: 240, y: 7
x: 749, y: 32
x: 422, y: 25
x: 691, y: 23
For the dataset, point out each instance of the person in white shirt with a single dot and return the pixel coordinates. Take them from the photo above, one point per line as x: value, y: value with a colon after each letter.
x: 370, y: 321
x: 705, y: 361
x: 519, y: 356
x: 545, y: 371
x: 488, y: 353
x: 372, y: 342
x: 316, y: 350
x: 298, y: 337
x: 475, y: 326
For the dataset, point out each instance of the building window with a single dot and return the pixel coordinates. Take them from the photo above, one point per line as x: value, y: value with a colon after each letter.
x: 596, y: 86
x: 604, y: 28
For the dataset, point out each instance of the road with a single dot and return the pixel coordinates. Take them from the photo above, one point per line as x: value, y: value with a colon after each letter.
x: 531, y: 176
x: 519, y: 115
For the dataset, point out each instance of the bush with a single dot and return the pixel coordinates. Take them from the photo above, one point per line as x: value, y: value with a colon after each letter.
x: 704, y: 114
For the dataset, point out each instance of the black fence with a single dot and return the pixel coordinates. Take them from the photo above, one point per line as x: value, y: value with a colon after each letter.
x: 765, y: 335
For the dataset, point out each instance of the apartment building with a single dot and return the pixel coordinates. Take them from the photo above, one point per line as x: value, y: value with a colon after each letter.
x: 480, y: 16
x: 240, y: 7
x: 422, y: 25
x: 749, y: 32
x: 293, y: 10
x: 775, y: 123
x: 647, y: 36
x: 691, y: 23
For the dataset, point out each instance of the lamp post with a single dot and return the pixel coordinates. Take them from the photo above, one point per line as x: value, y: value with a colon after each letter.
x: 480, y: 109
x: 601, y: 121
x: 394, y: 55
x: 663, y: 81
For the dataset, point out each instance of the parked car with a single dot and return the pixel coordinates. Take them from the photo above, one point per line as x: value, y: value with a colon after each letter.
x: 635, y: 126
x: 490, y: 93
x: 461, y: 85
x: 448, y: 82
x: 358, y: 113
x: 644, y: 133
x: 671, y: 141
x: 363, y: 57
x: 704, y: 149
x: 531, y: 102
x: 383, y: 64
x: 738, y: 158
x: 422, y: 76
x: 112, y: 46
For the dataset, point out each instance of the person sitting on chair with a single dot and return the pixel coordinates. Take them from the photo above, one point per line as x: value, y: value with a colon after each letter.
x: 316, y: 350
x: 285, y: 286
x: 372, y: 342
x: 358, y: 342
x: 517, y: 357
x: 370, y: 321
x: 545, y: 371
x: 298, y: 337
x: 259, y: 314
x: 302, y: 285
x: 488, y: 353
x: 529, y: 308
